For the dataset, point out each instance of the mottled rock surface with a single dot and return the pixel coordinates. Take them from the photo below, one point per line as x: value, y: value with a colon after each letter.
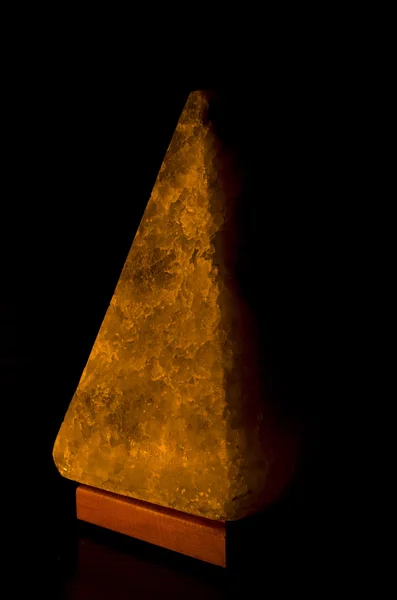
x: 170, y: 407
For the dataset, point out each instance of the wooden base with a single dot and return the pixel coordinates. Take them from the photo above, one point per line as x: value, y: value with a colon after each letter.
x: 200, y: 538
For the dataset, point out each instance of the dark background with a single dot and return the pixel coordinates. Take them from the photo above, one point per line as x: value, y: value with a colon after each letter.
x: 85, y: 147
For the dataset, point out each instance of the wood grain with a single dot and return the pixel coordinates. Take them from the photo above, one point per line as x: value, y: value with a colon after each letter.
x: 190, y: 535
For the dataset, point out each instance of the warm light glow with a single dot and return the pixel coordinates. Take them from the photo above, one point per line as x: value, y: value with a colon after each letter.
x: 160, y: 411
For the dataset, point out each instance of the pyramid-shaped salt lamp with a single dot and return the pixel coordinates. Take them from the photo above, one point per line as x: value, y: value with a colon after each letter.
x: 170, y: 432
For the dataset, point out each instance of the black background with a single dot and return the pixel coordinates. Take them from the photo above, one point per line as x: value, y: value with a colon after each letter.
x: 86, y: 143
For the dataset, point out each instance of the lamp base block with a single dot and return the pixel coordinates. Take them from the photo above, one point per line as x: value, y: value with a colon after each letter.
x: 193, y: 536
